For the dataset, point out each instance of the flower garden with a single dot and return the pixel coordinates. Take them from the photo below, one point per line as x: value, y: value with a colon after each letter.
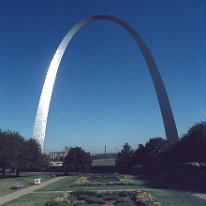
x: 102, y: 180
x: 104, y: 190
x: 114, y: 198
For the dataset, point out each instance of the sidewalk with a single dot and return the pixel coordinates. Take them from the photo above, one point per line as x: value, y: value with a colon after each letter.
x: 200, y: 195
x: 19, y: 193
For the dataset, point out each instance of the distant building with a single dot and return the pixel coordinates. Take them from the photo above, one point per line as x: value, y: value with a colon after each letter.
x: 58, y: 156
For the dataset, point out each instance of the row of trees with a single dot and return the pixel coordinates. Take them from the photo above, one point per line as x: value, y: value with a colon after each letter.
x: 155, y: 153
x: 18, y: 154
x: 158, y: 152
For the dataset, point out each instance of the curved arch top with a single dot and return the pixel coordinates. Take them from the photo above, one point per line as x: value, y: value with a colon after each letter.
x: 45, y: 98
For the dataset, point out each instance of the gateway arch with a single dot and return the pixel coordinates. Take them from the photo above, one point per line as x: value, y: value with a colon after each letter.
x: 45, y: 98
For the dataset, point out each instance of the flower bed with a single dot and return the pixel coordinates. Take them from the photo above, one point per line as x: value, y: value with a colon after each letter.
x: 103, y: 180
x: 122, y: 198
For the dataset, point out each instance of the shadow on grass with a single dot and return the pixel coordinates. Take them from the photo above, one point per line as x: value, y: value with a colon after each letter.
x: 10, y: 176
x: 182, y: 181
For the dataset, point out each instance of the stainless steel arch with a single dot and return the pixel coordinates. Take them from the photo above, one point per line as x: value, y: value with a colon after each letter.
x: 45, y: 98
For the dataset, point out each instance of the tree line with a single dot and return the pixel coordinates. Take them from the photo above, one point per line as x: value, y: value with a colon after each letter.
x: 18, y: 154
x: 159, y: 156
x: 158, y: 152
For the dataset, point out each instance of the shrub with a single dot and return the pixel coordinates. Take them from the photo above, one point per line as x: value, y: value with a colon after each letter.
x: 83, y: 197
x: 120, y: 199
x: 107, y: 193
x: 81, y: 181
x: 63, y: 199
x: 144, y: 198
x: 99, y: 194
x: 53, y: 203
x: 102, y: 180
x: 93, y: 204
x: 50, y: 203
x: 126, y: 202
x: 123, y: 194
x: 82, y: 192
x: 116, y: 193
x: 91, y: 198
x: 109, y: 197
x: 94, y: 200
x: 124, y: 180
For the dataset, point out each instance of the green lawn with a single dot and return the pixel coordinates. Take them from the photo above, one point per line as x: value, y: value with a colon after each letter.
x: 25, y: 180
x: 176, y: 198
x: 67, y: 185
x: 103, y: 162
x: 167, y: 197
x: 33, y: 199
x: 62, y: 185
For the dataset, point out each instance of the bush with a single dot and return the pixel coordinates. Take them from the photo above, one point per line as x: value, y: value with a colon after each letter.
x: 120, y: 199
x: 125, y: 202
x: 99, y: 194
x: 109, y: 197
x: 123, y: 194
x: 144, y: 199
x: 92, y: 200
x: 93, y: 204
x: 82, y: 192
x: 53, y: 203
x: 83, y: 197
x: 50, y: 203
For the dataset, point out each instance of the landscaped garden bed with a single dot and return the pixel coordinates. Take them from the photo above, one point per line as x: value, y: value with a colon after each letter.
x: 114, y: 198
x: 95, y: 180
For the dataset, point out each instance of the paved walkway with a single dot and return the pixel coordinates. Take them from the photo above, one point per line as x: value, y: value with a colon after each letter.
x: 202, y: 196
x: 19, y: 193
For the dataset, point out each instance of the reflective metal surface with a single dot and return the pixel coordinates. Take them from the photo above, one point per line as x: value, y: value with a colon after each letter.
x: 45, y: 98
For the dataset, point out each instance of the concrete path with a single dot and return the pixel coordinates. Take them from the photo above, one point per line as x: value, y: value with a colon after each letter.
x: 19, y: 193
x: 202, y: 196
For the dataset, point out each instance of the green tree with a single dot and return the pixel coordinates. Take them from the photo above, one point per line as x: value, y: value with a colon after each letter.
x: 155, y: 148
x: 30, y: 157
x: 19, y: 154
x: 11, y: 149
x: 150, y: 154
x: 125, y: 158
x: 190, y: 148
x: 77, y: 160
x: 140, y: 155
x: 33, y: 154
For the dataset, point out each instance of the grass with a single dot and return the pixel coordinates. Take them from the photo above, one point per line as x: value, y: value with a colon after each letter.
x: 33, y: 199
x: 25, y: 180
x: 103, y: 162
x: 62, y: 185
x: 173, y: 198
x: 166, y: 196
x: 67, y: 185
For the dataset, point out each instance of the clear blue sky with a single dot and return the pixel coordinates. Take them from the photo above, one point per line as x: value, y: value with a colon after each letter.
x: 103, y: 93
